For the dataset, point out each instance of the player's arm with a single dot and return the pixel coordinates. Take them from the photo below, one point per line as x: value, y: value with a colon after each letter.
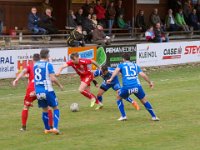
x: 146, y: 78
x: 55, y: 80
x: 24, y: 71
x: 95, y: 63
x: 61, y: 69
x: 114, y: 74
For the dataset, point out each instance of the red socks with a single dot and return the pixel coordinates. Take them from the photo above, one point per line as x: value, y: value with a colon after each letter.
x: 50, y: 115
x: 24, y: 116
x: 89, y: 95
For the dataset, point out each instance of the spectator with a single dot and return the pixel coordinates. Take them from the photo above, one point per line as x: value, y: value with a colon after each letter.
x: 76, y: 37
x: 198, y: 10
x: 99, y: 37
x: 86, y: 7
x: 111, y: 16
x: 107, y: 4
x: 140, y: 21
x: 47, y: 22
x: 33, y: 20
x: 1, y: 21
x: 121, y: 23
x: 149, y: 34
x: 46, y: 4
x: 91, y: 11
x: 71, y: 19
x: 159, y: 34
x: 181, y: 21
x: 94, y: 20
x: 170, y: 21
x: 175, y: 5
x: 88, y: 27
x: 193, y: 20
x: 79, y: 17
x: 187, y: 9
x: 155, y: 18
x: 119, y: 9
x: 100, y: 12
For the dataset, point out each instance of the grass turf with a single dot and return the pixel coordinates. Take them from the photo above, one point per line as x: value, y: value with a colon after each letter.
x: 174, y: 98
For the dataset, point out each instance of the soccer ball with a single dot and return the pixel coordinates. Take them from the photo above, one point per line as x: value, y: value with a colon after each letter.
x: 74, y: 107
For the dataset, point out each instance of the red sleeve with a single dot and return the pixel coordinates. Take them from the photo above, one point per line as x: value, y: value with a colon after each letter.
x: 86, y: 61
x: 69, y: 63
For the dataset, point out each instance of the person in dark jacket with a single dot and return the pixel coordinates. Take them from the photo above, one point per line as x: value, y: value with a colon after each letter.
x: 86, y: 8
x: 47, y: 22
x: 79, y: 17
x: 140, y: 21
x: 111, y: 16
x: 170, y: 22
x: 71, y: 19
x: 159, y: 34
x: 99, y: 37
x: 88, y: 27
x: 193, y: 20
x: 33, y: 20
x: 76, y: 37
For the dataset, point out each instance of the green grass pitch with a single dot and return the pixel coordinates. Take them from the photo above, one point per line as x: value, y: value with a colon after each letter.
x: 175, y: 100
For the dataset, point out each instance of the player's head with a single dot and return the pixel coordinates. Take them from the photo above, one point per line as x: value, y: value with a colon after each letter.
x: 36, y: 57
x: 126, y: 57
x: 75, y: 58
x: 104, y: 69
x: 44, y: 54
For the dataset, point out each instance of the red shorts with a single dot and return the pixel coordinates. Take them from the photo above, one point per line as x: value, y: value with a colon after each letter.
x: 87, y: 79
x: 28, y: 99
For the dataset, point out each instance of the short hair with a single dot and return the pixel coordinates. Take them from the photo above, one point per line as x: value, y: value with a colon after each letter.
x: 44, y: 53
x: 126, y: 56
x: 74, y: 55
x: 36, y: 57
x: 104, y: 68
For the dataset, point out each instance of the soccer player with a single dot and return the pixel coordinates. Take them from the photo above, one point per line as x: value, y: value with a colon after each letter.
x: 131, y: 85
x: 30, y: 93
x: 80, y: 65
x: 43, y: 77
x: 106, y: 73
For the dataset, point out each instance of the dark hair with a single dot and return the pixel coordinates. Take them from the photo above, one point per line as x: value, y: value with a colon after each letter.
x: 126, y: 56
x: 74, y: 55
x: 44, y: 53
x: 104, y: 68
x: 36, y: 57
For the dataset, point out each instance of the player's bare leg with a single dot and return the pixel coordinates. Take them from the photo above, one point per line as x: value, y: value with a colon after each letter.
x: 85, y: 90
x: 149, y: 108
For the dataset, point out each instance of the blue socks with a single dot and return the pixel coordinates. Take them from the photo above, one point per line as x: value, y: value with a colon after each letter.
x: 148, y: 106
x: 130, y: 100
x: 56, y: 118
x: 45, y: 119
x: 100, y: 98
x: 121, y: 108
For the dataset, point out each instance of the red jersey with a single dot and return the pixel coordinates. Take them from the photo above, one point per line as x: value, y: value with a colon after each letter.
x: 31, y: 75
x: 81, y: 68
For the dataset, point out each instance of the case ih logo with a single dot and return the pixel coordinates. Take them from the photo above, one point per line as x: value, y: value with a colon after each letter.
x: 172, y: 53
x: 192, y: 50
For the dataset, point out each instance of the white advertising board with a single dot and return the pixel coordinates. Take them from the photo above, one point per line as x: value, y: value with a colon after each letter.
x: 12, y: 62
x: 147, y: 1
x: 158, y: 54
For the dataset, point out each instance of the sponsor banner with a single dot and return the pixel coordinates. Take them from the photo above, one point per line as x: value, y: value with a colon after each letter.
x: 8, y: 63
x: 148, y: 1
x: 112, y: 55
x: 14, y: 61
x: 168, y: 53
x: 89, y: 52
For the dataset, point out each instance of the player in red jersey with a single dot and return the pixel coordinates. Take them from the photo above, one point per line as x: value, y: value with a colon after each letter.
x: 30, y: 92
x: 80, y: 65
